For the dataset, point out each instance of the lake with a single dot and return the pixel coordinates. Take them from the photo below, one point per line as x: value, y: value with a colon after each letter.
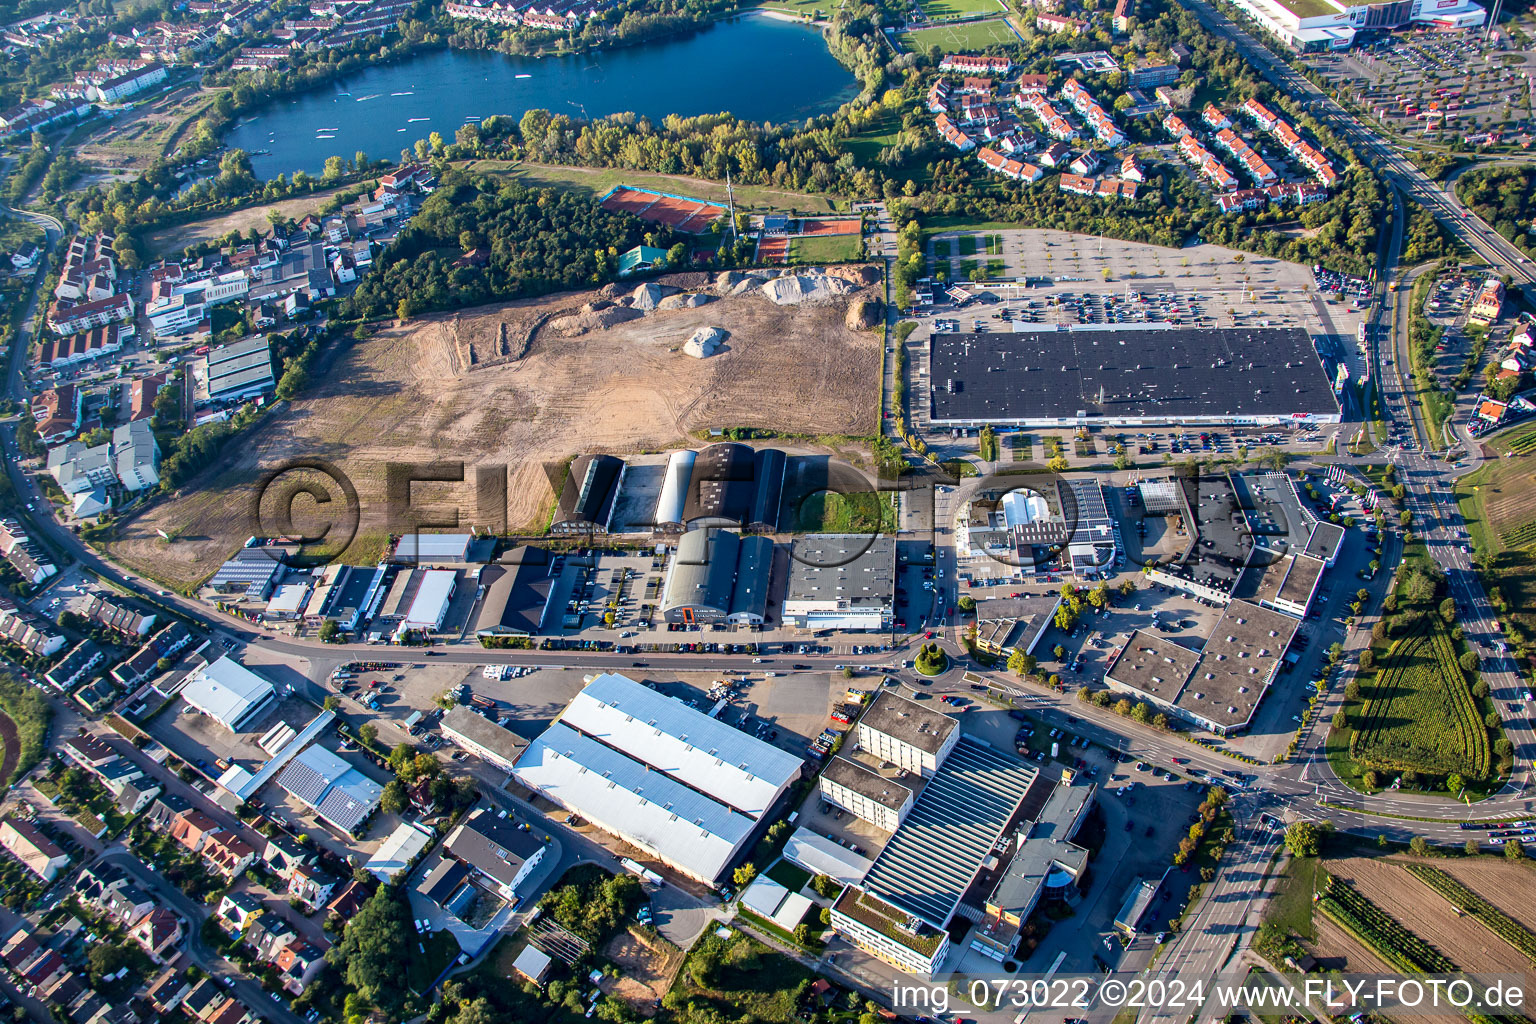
x: 753, y: 66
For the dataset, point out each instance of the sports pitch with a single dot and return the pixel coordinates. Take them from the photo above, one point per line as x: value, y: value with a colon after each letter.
x: 970, y: 35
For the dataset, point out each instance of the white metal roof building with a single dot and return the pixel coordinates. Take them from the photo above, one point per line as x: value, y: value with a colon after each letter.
x: 432, y: 599
x: 398, y: 851
x: 704, y: 753
x: 433, y: 547
x: 228, y: 692
x: 818, y: 854
x: 647, y: 808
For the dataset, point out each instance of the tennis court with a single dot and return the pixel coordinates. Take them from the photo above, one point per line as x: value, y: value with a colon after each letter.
x: 831, y: 226
x: 680, y: 212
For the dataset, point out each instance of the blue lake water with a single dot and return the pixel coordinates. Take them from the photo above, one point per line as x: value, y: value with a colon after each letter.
x: 753, y: 66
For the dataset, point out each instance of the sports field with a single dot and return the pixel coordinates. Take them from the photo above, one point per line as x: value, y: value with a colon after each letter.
x: 938, y: 10
x: 970, y: 35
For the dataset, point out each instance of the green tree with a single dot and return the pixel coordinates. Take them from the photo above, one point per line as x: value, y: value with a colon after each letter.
x: 331, y: 702
x: 394, y: 799
x: 1418, y: 846
x: 368, y: 732
x: 330, y: 631
x: 1021, y: 664
x: 1454, y: 784
x: 1302, y: 839
x: 743, y: 875
x: 1514, y: 849
x: 1471, y: 848
x: 375, y: 949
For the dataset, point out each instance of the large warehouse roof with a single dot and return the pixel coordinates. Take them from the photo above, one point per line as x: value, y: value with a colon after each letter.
x: 838, y: 570
x: 701, y: 752
x: 227, y: 692
x: 1188, y: 374
x: 432, y: 598
x: 950, y: 831
x: 516, y: 595
x: 627, y: 797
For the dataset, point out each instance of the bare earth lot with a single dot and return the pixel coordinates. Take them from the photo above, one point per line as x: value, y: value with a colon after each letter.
x: 1510, y: 887
x: 472, y: 386
x: 646, y: 969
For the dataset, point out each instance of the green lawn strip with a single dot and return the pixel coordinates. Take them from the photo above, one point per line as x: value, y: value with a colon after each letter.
x: 824, y: 249
x: 941, y: 249
x: 967, y: 245
x: 791, y: 876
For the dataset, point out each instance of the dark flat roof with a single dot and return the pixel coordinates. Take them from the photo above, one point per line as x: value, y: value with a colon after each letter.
x: 1180, y: 372
x: 867, y: 782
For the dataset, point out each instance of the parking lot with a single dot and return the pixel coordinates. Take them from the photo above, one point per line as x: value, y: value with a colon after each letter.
x: 1450, y: 83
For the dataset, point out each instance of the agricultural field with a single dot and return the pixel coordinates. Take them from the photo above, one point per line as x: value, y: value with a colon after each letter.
x: 528, y: 385
x: 1407, y: 923
x: 1419, y: 713
x: 970, y: 35
x: 1498, y: 503
x: 1509, y: 887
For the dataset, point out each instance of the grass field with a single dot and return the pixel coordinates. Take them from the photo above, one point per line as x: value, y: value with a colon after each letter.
x: 820, y: 10
x: 967, y: 245
x: 598, y: 180
x: 1520, y: 440
x: 940, y: 9
x: 1498, y: 503
x: 970, y: 35
x: 1419, y: 712
x: 867, y: 144
x: 180, y: 236
x: 865, y: 512
x: 825, y: 249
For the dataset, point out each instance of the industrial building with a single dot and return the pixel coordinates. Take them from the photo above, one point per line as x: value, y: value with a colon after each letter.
x: 586, y: 498
x: 418, y: 548
x: 430, y: 606
x: 908, y: 734
x: 728, y: 484
x: 684, y: 787
x: 1128, y: 376
x: 338, y: 793
x: 1005, y: 625
x: 841, y: 581
x: 718, y: 576
x: 229, y: 693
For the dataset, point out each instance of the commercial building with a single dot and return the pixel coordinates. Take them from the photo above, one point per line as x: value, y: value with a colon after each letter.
x: 497, y: 850
x: 1045, y: 866
x: 1317, y: 25
x: 469, y: 730
x: 718, y: 576
x: 908, y: 734
x: 1005, y: 625
x: 136, y: 455
x: 900, y: 911
x: 399, y: 851
x: 841, y: 581
x: 865, y: 793
x: 422, y: 548
x: 338, y: 793
x: 1128, y: 376
x: 229, y: 693
x: 821, y: 856
x: 1220, y: 687
x: 430, y: 606
x: 685, y: 788
x: 239, y: 370
x: 731, y: 484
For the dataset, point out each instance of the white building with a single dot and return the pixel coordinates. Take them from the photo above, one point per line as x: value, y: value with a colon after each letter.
x: 683, y: 787
x: 228, y: 692
x: 906, y: 733
x: 430, y: 606
x: 1299, y: 24
x: 399, y: 851
x: 136, y: 455
x: 865, y: 793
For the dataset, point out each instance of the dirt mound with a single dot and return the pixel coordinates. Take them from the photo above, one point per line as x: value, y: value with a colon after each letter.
x: 688, y: 280
x: 863, y: 315
x: 727, y: 280
x: 593, y: 320
x: 648, y: 295
x: 704, y: 343
x: 861, y: 276
x: 691, y: 301
x: 805, y: 289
